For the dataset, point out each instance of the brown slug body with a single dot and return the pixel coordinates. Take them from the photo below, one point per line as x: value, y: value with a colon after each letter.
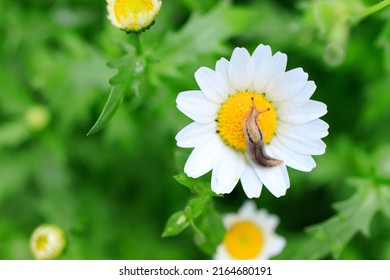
x: 254, y: 139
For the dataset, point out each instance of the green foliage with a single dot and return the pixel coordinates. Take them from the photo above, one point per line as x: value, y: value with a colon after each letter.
x: 113, y: 192
x: 353, y: 215
x: 130, y: 69
x: 200, y: 187
x: 217, y: 26
x: 176, y: 224
x: 200, y: 213
x: 170, y: 59
x: 210, y: 232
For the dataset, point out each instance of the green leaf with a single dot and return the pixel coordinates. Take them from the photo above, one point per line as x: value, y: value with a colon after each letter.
x: 130, y: 69
x: 114, y: 100
x: 175, y: 224
x: 353, y: 215
x: 211, y: 232
x: 195, y: 185
x: 195, y: 207
x: 361, y: 207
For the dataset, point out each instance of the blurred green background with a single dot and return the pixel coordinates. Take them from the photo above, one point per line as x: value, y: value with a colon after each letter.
x: 112, y: 192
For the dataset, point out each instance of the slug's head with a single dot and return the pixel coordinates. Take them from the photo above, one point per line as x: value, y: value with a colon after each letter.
x: 257, y: 112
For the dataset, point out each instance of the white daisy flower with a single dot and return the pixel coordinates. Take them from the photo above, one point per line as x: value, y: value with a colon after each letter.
x: 47, y: 242
x: 253, y: 100
x: 133, y: 15
x: 250, y: 235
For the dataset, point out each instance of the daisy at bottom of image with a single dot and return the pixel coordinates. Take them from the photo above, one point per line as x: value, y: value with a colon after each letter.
x: 250, y: 235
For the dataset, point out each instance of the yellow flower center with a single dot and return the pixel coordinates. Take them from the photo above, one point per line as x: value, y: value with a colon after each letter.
x: 123, y: 8
x: 244, y: 240
x: 41, y: 242
x: 232, y: 113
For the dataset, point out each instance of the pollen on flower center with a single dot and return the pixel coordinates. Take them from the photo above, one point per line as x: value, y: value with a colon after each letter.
x: 244, y: 240
x: 233, y: 112
x: 123, y: 8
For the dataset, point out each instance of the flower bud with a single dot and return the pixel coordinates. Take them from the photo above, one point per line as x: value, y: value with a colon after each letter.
x: 37, y: 117
x: 133, y: 15
x: 47, y: 242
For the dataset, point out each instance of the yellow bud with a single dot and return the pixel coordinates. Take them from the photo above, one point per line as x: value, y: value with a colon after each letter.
x: 133, y: 15
x: 37, y: 117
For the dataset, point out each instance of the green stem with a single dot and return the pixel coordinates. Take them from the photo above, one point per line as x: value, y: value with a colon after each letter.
x: 374, y: 9
x: 137, y: 43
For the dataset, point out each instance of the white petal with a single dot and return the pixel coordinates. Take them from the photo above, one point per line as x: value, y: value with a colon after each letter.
x: 275, y: 246
x: 221, y: 253
x: 318, y: 128
x: 193, y: 133
x: 311, y: 130
x: 307, y: 91
x: 241, y: 69
x: 203, y: 156
x: 260, y: 56
x: 291, y: 158
x: 301, y: 143
x: 249, y: 207
x: 286, y: 85
x: 297, y: 112
x: 273, y: 67
x: 227, y: 170
x: 251, y: 183
x: 275, y: 178
x: 195, y: 106
x: 212, y: 85
x: 230, y: 219
x: 222, y: 68
x: 267, y: 221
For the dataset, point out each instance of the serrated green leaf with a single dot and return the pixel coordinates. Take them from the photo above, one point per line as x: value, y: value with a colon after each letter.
x: 195, y: 207
x: 353, y: 215
x: 175, y: 224
x: 361, y: 207
x: 195, y: 185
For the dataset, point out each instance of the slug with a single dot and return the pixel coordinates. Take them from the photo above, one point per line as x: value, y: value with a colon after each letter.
x: 255, y: 147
